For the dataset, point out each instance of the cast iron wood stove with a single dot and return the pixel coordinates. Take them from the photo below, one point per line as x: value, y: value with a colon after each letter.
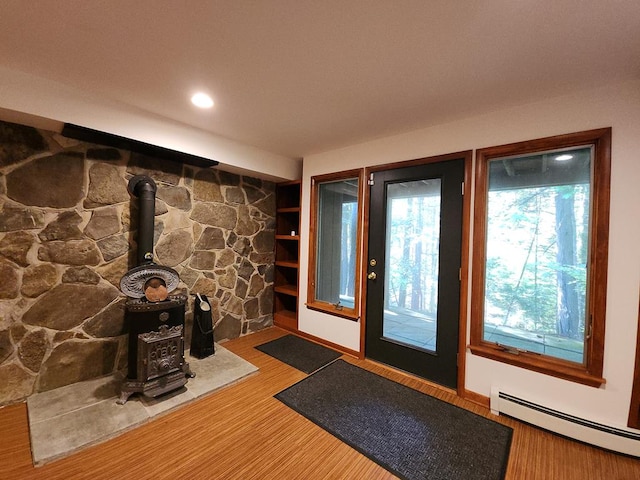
x: 156, y: 363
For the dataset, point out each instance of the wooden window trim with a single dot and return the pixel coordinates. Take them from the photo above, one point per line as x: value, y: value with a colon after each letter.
x: 312, y: 303
x: 591, y: 372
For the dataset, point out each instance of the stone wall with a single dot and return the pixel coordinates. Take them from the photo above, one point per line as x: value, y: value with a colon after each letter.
x: 67, y: 235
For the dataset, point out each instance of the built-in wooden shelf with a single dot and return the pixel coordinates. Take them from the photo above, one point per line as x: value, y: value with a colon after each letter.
x: 286, y: 279
x: 287, y: 264
x: 286, y: 319
x: 288, y: 210
x: 292, y: 238
x: 287, y: 289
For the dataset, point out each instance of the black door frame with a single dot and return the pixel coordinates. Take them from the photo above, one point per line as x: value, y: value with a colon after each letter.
x: 464, y: 254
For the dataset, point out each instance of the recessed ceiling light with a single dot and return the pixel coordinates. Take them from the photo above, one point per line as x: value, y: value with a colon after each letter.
x: 563, y: 158
x: 202, y: 100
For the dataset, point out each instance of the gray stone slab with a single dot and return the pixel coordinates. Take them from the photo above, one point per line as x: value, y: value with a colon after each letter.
x: 63, y: 434
x: 167, y: 402
x: 217, y: 371
x: 60, y: 401
x: 67, y: 419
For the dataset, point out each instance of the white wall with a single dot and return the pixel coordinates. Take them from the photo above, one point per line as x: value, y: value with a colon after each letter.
x: 39, y: 97
x: 617, y: 106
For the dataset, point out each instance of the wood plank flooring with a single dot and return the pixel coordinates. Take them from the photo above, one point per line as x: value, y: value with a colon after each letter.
x: 242, y: 432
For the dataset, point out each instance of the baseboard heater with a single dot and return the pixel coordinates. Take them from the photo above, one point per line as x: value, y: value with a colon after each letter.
x: 611, y: 438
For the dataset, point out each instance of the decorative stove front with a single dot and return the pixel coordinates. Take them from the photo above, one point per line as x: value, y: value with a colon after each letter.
x: 156, y: 347
x: 159, y: 352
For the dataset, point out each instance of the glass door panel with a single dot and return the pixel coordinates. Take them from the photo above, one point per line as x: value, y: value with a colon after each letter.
x: 412, y: 263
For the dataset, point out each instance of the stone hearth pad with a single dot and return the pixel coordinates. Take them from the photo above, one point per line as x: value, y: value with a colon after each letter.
x: 67, y: 419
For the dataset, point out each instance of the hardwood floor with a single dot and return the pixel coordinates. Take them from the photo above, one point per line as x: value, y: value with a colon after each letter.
x: 242, y: 432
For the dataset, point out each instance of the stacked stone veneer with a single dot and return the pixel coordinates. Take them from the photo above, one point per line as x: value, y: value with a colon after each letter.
x: 67, y: 235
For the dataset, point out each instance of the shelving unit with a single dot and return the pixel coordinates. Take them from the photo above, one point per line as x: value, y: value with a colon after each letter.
x: 285, y: 305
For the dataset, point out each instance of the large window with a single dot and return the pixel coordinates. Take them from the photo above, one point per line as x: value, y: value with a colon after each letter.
x: 334, y: 264
x: 540, y: 254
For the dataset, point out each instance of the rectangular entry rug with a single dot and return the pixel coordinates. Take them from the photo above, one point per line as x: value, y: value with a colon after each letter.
x: 299, y: 353
x: 413, y: 435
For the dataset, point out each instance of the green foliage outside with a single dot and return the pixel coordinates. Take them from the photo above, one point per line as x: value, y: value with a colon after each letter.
x: 535, y: 279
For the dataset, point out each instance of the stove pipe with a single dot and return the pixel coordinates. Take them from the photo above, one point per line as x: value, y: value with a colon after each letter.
x: 144, y: 188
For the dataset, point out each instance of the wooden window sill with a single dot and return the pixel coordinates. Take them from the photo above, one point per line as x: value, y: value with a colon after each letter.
x: 539, y: 363
x: 348, y: 313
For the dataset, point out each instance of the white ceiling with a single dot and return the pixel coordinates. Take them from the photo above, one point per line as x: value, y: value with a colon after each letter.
x: 296, y: 77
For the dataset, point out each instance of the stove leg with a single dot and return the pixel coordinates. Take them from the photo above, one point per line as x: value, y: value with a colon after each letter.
x: 124, y: 396
x: 129, y: 387
x: 187, y: 371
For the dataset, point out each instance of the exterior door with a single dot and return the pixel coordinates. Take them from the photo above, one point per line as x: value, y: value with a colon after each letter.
x: 413, y: 286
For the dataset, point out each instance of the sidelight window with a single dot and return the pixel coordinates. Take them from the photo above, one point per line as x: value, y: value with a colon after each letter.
x: 334, y: 264
x: 540, y: 254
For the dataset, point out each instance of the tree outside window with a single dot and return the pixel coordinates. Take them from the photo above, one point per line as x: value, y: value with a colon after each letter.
x: 540, y: 250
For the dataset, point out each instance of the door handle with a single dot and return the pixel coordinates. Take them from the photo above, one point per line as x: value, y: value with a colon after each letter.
x: 372, y: 276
